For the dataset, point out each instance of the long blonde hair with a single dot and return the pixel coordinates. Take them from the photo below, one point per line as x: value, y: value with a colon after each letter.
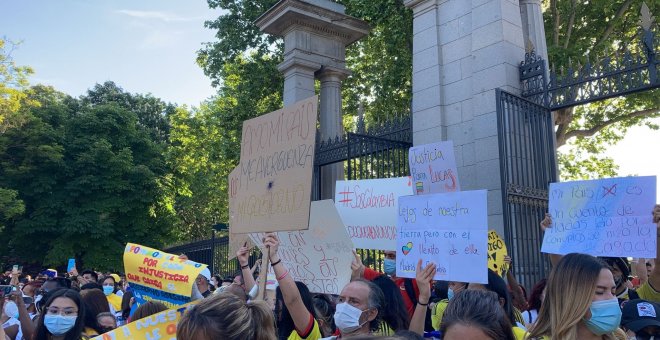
x: 569, y: 293
x: 226, y: 316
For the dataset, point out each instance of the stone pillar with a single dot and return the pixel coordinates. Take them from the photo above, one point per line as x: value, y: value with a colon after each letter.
x: 316, y: 33
x: 533, y: 29
x: 331, y: 125
x: 462, y: 51
x: 298, y: 80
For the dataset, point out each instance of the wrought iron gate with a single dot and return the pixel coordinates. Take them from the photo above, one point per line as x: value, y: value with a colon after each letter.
x: 527, y: 166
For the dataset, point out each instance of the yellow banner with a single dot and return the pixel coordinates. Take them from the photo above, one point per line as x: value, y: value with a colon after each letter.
x: 157, y: 326
x: 496, y: 253
x: 158, y: 275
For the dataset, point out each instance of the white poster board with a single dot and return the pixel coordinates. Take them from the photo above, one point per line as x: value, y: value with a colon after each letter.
x: 270, y: 190
x: 449, y: 230
x: 605, y: 217
x: 433, y: 168
x: 319, y: 257
x: 368, y: 209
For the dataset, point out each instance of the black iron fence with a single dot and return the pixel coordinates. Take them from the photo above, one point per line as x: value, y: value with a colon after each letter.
x: 528, y: 166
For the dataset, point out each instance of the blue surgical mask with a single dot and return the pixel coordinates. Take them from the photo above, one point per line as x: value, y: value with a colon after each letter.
x: 107, y: 290
x: 59, y: 324
x: 389, y: 266
x: 605, y: 316
x: 450, y: 294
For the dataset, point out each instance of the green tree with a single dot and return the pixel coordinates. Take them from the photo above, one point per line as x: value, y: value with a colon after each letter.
x: 205, y: 143
x: 577, y: 33
x: 13, y: 86
x: 91, y: 179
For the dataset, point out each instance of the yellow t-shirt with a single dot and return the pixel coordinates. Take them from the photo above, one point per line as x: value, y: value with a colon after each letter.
x: 313, y: 332
x: 437, y: 313
x: 646, y: 292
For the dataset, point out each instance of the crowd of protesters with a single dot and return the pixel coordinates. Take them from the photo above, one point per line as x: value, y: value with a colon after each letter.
x: 584, y: 297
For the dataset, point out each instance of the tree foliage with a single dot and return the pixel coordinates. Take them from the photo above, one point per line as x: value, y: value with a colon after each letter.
x: 91, y: 178
x: 580, y: 32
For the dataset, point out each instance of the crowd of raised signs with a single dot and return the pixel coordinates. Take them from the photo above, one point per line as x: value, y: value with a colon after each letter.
x: 584, y: 297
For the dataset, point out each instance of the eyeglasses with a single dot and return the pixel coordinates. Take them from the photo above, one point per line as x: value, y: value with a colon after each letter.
x: 63, y: 312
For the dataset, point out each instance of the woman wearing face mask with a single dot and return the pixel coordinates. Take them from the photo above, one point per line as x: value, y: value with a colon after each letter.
x: 440, y: 307
x: 62, y: 317
x: 579, y: 302
x: 109, y: 286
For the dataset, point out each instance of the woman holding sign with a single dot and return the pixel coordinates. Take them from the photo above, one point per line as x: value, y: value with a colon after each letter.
x: 579, y: 302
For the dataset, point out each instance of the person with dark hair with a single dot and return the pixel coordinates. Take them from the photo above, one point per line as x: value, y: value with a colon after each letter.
x: 534, y: 302
x: 475, y: 314
x: 497, y: 285
x: 226, y: 316
x: 91, y: 285
x: 89, y: 276
x: 395, y: 316
x: 126, y: 305
x: 148, y: 308
x: 453, y: 288
x: 63, y: 317
x: 56, y: 282
x: 620, y: 268
x: 95, y: 303
x: 109, y: 288
x: 285, y: 324
x: 215, y: 281
x: 324, y: 310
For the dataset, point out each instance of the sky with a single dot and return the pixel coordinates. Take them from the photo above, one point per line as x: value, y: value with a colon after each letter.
x: 146, y: 46
x: 149, y: 46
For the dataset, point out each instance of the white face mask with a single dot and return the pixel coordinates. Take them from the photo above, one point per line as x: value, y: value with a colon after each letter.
x: 347, y: 318
x: 11, y: 310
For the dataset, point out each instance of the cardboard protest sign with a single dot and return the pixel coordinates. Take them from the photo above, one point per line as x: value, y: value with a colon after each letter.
x: 271, y: 188
x: 236, y: 241
x: 496, y: 253
x: 319, y: 257
x: 156, y: 275
x: 157, y: 326
x: 368, y: 210
x: 449, y: 230
x: 433, y: 168
x: 605, y: 217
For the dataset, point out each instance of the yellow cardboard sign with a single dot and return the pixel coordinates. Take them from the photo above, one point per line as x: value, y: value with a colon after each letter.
x: 156, y: 275
x: 496, y: 253
x: 157, y: 326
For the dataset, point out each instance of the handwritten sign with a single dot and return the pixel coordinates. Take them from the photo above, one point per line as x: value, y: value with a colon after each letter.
x: 157, y: 326
x: 156, y: 275
x: 271, y: 189
x: 496, y: 253
x: 368, y: 209
x: 319, y: 257
x: 433, y: 168
x: 449, y: 230
x: 606, y: 217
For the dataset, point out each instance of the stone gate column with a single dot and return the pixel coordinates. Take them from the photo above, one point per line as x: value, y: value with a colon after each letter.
x: 531, y: 14
x: 316, y: 33
x: 462, y: 51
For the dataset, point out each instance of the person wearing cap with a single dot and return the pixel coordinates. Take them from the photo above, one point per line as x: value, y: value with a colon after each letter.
x: 203, y: 280
x: 621, y: 270
x: 640, y: 319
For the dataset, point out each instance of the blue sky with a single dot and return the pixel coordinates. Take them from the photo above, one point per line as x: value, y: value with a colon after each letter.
x: 149, y: 46
x: 144, y: 46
